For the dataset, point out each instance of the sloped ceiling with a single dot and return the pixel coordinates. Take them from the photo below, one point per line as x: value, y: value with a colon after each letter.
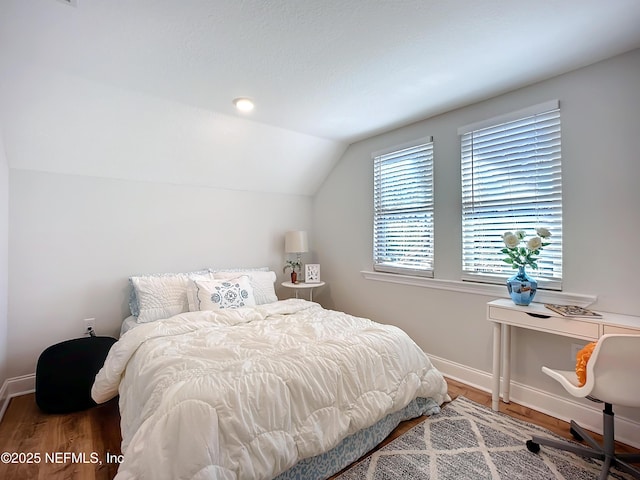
x: 143, y: 89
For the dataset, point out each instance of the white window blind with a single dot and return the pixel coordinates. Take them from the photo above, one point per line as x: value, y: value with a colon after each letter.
x: 511, y: 180
x: 403, y: 209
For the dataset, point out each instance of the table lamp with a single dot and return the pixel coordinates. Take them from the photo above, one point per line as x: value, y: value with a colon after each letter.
x: 296, y: 242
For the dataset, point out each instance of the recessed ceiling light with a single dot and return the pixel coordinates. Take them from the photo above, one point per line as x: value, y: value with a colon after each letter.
x: 243, y: 104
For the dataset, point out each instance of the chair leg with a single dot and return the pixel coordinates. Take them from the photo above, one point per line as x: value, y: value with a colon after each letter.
x: 629, y: 457
x: 578, y: 449
x: 606, y: 452
x: 625, y: 467
x: 585, y: 436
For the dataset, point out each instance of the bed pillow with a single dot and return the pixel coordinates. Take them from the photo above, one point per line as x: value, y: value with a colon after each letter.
x: 163, y: 295
x: 134, y: 305
x: 222, y: 293
x: 262, y: 283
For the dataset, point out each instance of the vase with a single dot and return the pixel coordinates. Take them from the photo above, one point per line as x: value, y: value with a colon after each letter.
x: 294, y: 277
x: 522, y: 288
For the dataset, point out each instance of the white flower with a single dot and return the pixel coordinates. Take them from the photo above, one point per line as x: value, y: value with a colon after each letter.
x: 543, y: 232
x: 511, y: 240
x: 519, y: 257
x: 534, y: 243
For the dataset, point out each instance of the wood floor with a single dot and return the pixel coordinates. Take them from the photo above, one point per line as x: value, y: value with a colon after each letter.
x: 91, y: 439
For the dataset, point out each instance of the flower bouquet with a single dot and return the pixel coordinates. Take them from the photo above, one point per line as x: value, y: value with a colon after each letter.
x: 521, y: 287
x: 520, y: 256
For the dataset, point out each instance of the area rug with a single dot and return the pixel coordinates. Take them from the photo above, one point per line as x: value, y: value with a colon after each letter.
x: 469, y: 441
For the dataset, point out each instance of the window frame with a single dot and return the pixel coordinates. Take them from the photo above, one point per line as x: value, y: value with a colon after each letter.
x: 495, y: 270
x: 379, y: 211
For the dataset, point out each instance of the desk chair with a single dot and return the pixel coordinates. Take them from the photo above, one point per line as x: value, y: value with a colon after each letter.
x: 612, y: 378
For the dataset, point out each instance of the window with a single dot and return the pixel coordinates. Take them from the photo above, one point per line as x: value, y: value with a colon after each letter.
x: 511, y: 180
x: 403, y: 209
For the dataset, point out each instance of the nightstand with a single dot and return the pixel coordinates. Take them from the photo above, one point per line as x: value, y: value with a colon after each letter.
x: 303, y: 286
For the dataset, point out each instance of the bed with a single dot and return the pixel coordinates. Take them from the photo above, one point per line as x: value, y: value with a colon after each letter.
x: 241, y: 385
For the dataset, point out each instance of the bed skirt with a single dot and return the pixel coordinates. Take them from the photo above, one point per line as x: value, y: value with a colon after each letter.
x: 355, y: 446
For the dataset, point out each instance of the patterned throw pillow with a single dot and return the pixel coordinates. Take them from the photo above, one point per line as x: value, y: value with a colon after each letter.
x: 262, y: 283
x: 225, y: 293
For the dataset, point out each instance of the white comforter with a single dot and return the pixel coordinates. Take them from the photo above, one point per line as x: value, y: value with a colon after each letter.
x: 247, y: 393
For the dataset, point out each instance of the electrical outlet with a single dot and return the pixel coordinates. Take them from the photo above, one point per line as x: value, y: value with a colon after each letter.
x: 89, y: 325
x: 575, y: 348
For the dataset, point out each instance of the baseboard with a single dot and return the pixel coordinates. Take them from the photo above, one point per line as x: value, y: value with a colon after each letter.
x: 14, y: 387
x: 556, y: 406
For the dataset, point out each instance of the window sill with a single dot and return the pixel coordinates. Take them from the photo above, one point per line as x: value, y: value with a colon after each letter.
x: 497, y: 291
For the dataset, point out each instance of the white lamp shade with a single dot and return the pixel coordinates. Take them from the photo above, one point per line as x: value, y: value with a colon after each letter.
x: 296, y: 242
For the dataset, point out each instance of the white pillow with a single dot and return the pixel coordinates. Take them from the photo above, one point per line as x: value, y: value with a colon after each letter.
x: 133, y: 299
x: 163, y: 296
x: 221, y: 294
x: 262, y: 283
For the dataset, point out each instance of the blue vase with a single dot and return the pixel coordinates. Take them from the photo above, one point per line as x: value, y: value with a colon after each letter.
x: 522, y: 287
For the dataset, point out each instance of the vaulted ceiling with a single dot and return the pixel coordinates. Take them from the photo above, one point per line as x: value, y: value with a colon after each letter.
x: 322, y: 73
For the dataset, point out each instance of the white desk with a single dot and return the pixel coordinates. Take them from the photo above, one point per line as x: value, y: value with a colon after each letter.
x: 505, y: 314
x: 303, y: 286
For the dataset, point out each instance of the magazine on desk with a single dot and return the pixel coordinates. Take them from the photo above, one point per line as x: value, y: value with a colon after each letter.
x: 572, y: 311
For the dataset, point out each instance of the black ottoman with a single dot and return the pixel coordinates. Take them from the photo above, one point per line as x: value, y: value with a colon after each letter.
x: 66, y: 371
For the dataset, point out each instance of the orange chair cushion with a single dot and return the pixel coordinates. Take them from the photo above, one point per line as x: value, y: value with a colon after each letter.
x: 582, y: 358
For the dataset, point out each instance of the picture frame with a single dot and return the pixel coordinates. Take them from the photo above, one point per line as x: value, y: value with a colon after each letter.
x: 312, y: 273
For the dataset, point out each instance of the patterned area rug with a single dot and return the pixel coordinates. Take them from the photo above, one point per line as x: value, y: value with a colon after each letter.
x: 469, y: 441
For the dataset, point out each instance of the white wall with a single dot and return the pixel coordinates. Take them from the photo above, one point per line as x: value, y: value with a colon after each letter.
x: 600, y: 107
x: 74, y: 240
x: 106, y: 183
x: 4, y: 257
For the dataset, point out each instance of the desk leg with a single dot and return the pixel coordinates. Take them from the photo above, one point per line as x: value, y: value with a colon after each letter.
x: 506, y: 364
x: 497, y: 344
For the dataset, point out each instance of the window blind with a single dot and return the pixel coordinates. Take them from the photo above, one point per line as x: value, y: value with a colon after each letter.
x: 403, y: 209
x: 511, y: 180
